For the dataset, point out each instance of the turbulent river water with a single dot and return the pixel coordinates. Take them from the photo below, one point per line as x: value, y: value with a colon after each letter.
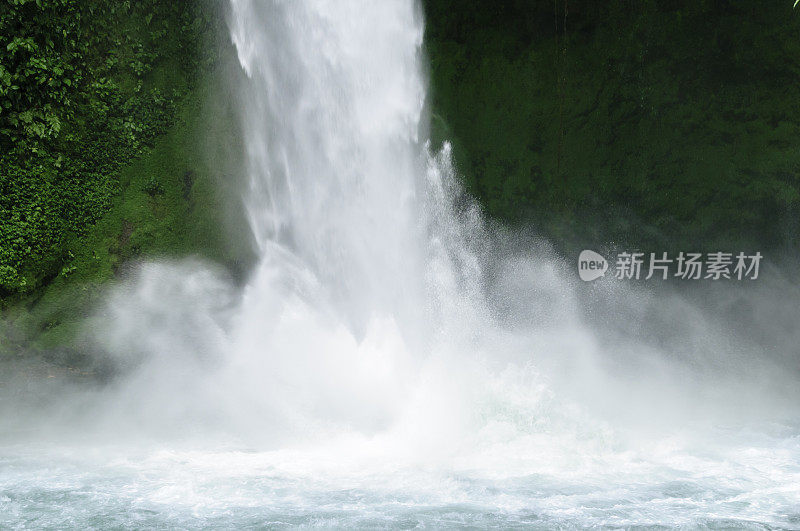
x: 393, y: 359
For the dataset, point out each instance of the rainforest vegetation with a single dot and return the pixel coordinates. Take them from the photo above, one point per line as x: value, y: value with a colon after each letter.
x: 652, y: 124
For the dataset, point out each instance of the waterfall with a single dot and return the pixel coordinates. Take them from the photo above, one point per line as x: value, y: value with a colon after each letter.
x: 363, y: 263
x: 393, y: 359
x: 376, y: 305
x: 366, y: 274
x: 331, y: 112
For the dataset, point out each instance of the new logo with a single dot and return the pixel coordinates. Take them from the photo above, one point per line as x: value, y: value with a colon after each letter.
x: 591, y: 265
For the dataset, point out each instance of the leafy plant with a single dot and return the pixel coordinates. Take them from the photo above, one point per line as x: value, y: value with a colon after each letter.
x: 85, y: 88
x: 153, y: 188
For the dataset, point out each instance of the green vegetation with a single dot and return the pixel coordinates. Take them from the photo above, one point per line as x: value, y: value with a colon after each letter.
x: 111, y: 152
x: 85, y: 88
x: 658, y: 124
x: 182, y: 218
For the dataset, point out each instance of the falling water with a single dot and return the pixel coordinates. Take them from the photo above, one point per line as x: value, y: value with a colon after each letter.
x: 393, y: 359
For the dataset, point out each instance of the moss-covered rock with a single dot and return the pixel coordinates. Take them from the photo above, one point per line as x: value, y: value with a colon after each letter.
x: 172, y: 196
x: 652, y: 124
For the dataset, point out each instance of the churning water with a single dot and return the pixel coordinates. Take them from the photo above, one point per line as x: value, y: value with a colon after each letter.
x: 393, y: 360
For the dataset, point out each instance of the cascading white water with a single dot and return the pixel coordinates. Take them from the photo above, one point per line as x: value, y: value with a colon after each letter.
x: 331, y: 121
x: 362, y: 262
x: 390, y: 361
x: 333, y: 155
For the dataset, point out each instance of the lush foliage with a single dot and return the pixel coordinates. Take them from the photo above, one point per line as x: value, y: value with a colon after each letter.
x: 651, y: 123
x: 85, y: 87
